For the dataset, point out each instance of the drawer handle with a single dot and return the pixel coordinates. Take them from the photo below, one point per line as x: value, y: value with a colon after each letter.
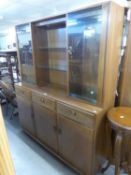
x: 55, y: 128
x: 22, y: 92
x: 42, y: 100
x: 74, y: 113
x: 59, y: 131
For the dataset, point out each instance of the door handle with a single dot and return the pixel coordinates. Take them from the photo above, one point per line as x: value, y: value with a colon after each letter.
x: 70, y: 51
x: 55, y: 128
x: 59, y: 131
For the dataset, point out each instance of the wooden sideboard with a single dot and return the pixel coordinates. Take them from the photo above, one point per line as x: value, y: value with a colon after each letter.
x: 65, y: 126
x: 74, y: 58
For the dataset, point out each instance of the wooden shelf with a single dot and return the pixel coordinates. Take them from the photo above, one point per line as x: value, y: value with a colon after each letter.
x: 52, y: 49
x: 51, y: 68
x: 75, y: 61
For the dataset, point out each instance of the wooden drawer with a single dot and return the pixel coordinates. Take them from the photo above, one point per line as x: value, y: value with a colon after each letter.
x: 83, y: 118
x: 23, y: 92
x: 44, y: 101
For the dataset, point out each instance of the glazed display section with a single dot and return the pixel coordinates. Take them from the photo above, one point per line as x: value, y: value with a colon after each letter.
x: 24, y: 43
x: 75, y: 59
x: 84, y: 40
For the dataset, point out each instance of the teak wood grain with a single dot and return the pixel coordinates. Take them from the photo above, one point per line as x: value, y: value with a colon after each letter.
x: 77, y: 127
x: 6, y: 164
x: 26, y: 116
x: 120, y: 120
x: 46, y: 125
x: 120, y: 117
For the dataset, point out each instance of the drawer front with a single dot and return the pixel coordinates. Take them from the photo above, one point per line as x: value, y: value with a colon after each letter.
x: 76, y: 115
x: 23, y: 92
x: 44, y: 101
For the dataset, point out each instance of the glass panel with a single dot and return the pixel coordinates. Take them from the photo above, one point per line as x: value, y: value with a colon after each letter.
x: 24, y: 44
x: 84, y: 35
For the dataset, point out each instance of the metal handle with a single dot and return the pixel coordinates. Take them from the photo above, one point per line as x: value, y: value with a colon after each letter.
x: 59, y: 131
x: 70, y: 51
x: 43, y: 100
x: 74, y: 113
x: 55, y: 128
x: 22, y: 92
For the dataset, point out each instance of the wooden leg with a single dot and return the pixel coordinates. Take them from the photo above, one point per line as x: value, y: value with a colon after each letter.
x: 129, y: 155
x: 118, y: 144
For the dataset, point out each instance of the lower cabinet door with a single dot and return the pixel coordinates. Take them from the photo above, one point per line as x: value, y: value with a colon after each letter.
x: 46, y: 124
x: 26, y: 114
x: 76, y: 144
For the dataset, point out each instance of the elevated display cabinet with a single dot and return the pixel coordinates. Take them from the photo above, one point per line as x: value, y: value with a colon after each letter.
x: 24, y: 42
x: 75, y: 57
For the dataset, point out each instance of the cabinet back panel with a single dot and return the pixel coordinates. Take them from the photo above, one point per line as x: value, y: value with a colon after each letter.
x: 58, y: 78
x: 56, y: 38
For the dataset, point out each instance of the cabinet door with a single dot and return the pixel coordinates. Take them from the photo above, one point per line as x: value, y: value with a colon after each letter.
x: 76, y: 144
x: 26, y: 114
x: 45, y: 120
x: 86, y: 37
x: 24, y: 41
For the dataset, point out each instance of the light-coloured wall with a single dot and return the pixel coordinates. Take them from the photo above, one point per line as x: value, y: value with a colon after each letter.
x: 7, y: 39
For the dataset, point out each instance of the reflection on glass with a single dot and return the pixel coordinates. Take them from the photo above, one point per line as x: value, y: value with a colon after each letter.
x: 84, y: 35
x: 24, y: 41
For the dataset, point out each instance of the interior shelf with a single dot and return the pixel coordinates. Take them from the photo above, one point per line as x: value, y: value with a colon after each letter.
x: 52, y: 68
x: 75, y: 61
x: 52, y: 48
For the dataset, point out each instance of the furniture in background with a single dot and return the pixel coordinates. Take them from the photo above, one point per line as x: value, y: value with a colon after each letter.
x: 69, y: 66
x: 9, y: 75
x: 2, y: 96
x: 8, y: 93
x: 9, y: 71
x: 120, y: 120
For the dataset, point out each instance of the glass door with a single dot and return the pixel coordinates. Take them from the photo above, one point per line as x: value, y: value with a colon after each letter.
x: 24, y: 43
x: 85, y: 35
x: 25, y: 52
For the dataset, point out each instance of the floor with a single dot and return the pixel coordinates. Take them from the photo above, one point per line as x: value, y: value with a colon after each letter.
x: 30, y: 158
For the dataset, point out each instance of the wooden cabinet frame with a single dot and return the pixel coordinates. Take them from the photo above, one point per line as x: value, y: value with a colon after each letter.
x: 29, y: 70
x: 110, y: 43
